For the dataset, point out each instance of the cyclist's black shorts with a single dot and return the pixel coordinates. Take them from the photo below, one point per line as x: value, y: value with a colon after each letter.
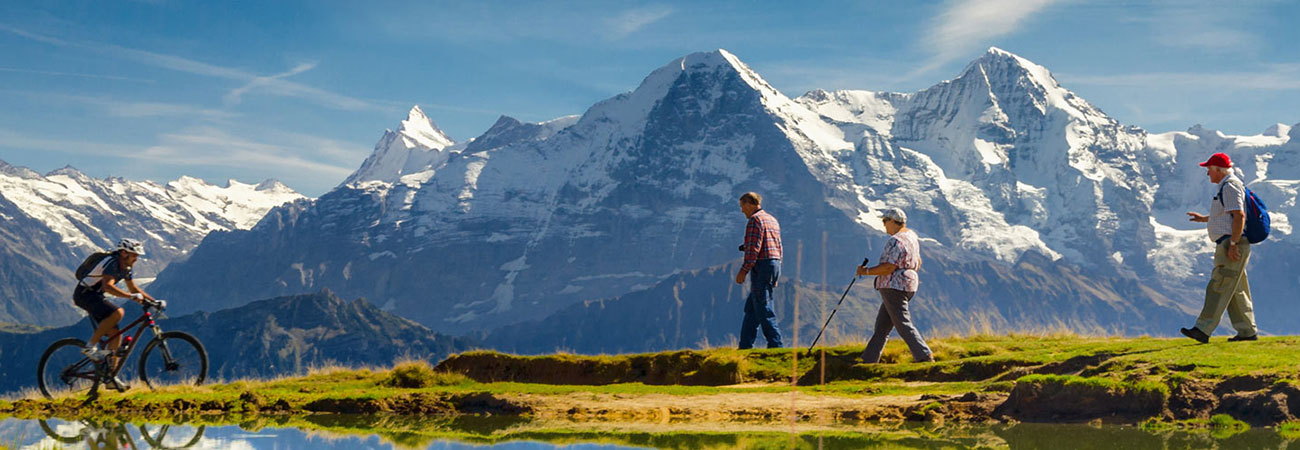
x: 94, y: 303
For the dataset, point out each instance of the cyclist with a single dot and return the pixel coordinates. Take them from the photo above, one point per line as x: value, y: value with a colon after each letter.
x: 89, y: 295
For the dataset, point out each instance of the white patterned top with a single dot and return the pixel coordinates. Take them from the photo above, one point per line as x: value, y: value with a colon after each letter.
x: 902, y: 250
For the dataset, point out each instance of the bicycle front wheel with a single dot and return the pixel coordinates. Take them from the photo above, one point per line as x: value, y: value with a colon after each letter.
x: 184, y: 436
x: 173, y: 358
x: 64, y: 370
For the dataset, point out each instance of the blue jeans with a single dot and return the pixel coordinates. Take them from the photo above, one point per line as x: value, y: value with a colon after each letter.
x: 758, y: 307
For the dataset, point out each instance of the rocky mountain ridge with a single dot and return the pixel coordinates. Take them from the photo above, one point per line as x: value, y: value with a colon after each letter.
x: 999, y: 167
x: 52, y: 221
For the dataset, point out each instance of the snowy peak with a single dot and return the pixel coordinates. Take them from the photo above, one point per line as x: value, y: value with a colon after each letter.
x: 17, y: 171
x: 172, y: 217
x: 699, y: 69
x: 1278, y: 130
x: 272, y: 185
x: 1001, y: 65
x: 242, y: 204
x: 1016, y: 84
x: 422, y: 132
x: 68, y: 171
x: 416, y: 146
x: 508, y: 130
x: 715, y: 62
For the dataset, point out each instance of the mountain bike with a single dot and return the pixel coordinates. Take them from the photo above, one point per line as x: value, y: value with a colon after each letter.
x: 171, y: 357
x: 108, y: 434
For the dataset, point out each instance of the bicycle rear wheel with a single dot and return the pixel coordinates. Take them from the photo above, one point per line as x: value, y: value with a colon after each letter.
x: 64, y: 370
x: 173, y: 357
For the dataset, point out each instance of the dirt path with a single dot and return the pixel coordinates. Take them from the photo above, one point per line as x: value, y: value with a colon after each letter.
x: 726, y: 407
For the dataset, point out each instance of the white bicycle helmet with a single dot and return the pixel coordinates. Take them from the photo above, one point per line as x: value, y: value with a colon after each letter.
x: 131, y: 245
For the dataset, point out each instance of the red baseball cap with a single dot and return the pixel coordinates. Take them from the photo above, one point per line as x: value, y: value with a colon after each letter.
x: 1218, y: 159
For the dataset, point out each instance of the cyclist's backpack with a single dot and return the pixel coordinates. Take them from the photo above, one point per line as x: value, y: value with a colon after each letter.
x: 89, y: 264
x: 1257, y: 221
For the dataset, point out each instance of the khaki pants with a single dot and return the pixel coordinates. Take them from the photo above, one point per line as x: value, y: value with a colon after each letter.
x: 1228, y: 289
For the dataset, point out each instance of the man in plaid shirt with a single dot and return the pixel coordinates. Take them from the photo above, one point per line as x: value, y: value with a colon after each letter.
x: 763, y: 264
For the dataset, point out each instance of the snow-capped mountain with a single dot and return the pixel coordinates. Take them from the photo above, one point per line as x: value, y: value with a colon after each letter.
x: 52, y: 221
x: 1012, y: 162
x: 417, y: 146
x: 1025, y: 193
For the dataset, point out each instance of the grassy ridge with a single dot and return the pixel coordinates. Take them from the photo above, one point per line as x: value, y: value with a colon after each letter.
x: 1157, y: 373
x: 976, y: 358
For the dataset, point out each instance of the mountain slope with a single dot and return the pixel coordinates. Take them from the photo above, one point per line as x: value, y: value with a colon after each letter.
x: 1006, y: 174
x: 52, y: 221
x: 545, y: 221
x: 703, y: 308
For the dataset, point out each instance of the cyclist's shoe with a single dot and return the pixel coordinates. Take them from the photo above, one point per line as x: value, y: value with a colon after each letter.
x: 95, y: 353
x: 117, y: 384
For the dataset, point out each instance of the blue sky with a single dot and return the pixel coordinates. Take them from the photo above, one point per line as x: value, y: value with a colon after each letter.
x: 301, y: 90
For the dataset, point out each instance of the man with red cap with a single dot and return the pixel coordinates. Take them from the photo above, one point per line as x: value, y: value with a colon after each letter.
x: 1228, y: 288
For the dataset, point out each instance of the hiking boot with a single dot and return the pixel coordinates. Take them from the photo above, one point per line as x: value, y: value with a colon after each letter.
x: 1239, y: 338
x: 1195, y: 333
x: 95, y: 353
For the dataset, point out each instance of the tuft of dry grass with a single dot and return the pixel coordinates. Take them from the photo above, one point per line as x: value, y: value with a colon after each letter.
x: 418, y: 375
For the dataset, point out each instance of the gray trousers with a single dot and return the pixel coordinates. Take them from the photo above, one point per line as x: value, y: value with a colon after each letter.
x: 893, y: 315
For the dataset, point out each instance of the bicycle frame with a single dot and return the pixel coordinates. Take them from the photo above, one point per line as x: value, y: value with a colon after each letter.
x: 145, y: 321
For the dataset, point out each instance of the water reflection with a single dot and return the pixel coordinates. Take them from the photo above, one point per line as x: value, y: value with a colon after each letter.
x: 108, y: 435
x: 394, y: 432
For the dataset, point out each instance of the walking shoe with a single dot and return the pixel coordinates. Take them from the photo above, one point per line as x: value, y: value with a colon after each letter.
x: 1238, y: 338
x: 1195, y: 333
x: 117, y: 384
x: 95, y: 353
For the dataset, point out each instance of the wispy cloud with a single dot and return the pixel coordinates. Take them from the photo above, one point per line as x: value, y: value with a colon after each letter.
x: 1203, y: 25
x: 272, y: 85
x: 1274, y: 77
x: 964, y: 26
x: 115, y: 107
x: 634, y: 20
x: 78, y: 75
x: 16, y: 140
x: 210, y: 146
x: 874, y: 74
x: 342, y: 153
x: 235, y: 96
x: 309, y: 164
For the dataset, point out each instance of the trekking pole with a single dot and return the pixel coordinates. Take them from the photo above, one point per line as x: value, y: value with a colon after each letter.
x: 837, y: 308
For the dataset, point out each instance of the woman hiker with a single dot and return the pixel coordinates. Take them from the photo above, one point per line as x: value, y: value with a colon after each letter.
x: 896, y: 279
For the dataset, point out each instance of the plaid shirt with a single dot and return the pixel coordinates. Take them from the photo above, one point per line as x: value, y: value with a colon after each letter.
x: 762, y: 239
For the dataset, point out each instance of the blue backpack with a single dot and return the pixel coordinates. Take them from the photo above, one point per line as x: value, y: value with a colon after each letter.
x: 1257, y: 222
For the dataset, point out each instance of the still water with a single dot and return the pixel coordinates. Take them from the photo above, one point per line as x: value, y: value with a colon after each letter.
x: 368, y: 432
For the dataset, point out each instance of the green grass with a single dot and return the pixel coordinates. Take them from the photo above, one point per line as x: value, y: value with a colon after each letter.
x: 20, y: 328
x: 418, y: 374
x: 1144, y: 387
x: 982, y: 363
x: 1290, y: 430
x: 1223, y: 426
